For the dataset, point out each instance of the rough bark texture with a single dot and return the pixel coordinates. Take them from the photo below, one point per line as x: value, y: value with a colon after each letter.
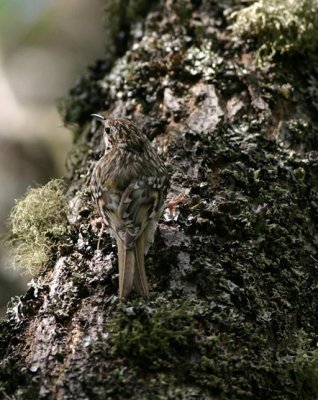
x: 233, y: 273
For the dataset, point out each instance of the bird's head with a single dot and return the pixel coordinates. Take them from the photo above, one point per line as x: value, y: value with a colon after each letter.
x: 121, y: 132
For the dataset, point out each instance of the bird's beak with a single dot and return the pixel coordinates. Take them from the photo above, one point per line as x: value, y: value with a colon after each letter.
x: 98, y: 117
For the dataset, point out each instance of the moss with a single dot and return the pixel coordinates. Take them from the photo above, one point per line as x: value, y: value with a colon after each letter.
x: 189, y: 349
x: 287, y: 26
x: 305, y: 367
x: 152, y: 336
x: 38, y: 221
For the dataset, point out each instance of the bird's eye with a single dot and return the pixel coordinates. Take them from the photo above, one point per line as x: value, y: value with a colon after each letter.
x: 107, y: 130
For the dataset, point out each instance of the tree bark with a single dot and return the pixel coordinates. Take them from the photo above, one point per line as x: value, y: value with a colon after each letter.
x: 233, y: 271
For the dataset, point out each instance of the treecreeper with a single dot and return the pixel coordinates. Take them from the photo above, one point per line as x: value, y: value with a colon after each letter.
x: 129, y: 184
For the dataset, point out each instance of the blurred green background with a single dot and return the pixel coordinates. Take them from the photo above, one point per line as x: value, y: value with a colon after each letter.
x: 44, y: 46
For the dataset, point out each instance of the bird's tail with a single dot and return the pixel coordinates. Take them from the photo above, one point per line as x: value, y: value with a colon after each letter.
x: 132, y: 272
x: 140, y: 279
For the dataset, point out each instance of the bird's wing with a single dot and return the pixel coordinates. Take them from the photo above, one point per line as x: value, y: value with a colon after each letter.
x: 140, y: 204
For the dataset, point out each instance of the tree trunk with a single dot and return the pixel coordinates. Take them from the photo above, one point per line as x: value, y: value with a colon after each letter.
x: 233, y: 270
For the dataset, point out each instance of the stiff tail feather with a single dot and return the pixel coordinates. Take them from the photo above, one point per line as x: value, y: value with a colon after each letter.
x: 140, y: 279
x: 126, y: 263
x: 132, y: 273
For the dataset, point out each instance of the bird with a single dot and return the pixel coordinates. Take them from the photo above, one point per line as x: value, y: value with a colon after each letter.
x: 129, y: 184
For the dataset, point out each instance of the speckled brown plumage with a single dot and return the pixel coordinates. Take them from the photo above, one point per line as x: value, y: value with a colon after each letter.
x: 129, y: 184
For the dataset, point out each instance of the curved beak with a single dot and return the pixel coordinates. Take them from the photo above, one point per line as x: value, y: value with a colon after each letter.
x: 98, y: 117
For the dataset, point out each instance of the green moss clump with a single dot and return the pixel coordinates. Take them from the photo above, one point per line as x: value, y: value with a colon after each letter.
x: 37, y: 221
x: 153, y: 336
x: 305, y: 368
x: 286, y: 26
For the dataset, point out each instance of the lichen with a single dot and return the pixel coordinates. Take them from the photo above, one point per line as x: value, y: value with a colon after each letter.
x: 287, y: 26
x: 37, y: 222
x: 203, y: 61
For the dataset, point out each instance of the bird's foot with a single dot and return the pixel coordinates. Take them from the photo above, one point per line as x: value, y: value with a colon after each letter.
x: 176, y: 201
x: 172, y: 206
